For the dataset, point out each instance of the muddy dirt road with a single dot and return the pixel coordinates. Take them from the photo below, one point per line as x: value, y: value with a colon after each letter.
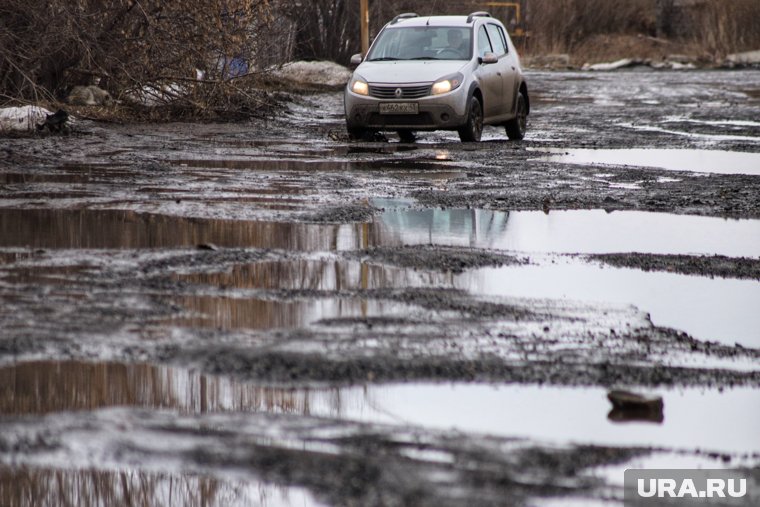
x: 268, y: 314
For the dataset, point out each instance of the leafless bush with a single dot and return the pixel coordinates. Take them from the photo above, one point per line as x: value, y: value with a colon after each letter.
x: 727, y: 26
x: 716, y: 27
x: 48, y: 46
x: 556, y: 26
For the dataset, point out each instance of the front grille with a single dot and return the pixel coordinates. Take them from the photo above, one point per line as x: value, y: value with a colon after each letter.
x: 410, y: 120
x: 407, y: 92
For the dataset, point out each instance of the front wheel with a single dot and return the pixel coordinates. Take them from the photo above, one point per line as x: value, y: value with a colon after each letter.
x: 473, y: 129
x: 406, y: 136
x: 517, y: 126
x: 356, y: 133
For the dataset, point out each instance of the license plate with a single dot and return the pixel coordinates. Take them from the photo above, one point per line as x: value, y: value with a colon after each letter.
x: 399, y: 108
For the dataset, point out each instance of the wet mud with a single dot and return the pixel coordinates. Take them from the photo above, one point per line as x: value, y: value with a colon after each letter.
x: 716, y: 265
x: 268, y: 314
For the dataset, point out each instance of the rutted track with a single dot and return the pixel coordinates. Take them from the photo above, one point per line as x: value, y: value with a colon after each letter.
x: 278, y: 256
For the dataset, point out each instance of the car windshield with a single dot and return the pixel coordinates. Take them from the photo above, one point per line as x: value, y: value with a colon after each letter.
x: 422, y: 43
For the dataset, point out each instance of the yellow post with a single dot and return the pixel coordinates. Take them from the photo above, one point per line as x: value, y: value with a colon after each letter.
x: 364, y: 7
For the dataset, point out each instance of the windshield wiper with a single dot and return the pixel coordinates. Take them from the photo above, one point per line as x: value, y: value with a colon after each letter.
x: 425, y: 58
x: 384, y: 59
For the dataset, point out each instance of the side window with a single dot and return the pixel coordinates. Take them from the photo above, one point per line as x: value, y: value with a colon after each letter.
x: 484, y: 45
x: 499, y: 48
x: 503, y: 39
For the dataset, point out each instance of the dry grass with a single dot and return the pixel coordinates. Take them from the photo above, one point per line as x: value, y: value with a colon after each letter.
x: 722, y: 27
x: 596, y: 29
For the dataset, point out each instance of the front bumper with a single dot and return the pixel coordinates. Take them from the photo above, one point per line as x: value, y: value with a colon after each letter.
x: 436, y: 112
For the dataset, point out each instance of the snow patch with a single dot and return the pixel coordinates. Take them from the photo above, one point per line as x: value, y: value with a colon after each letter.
x: 322, y: 73
x: 619, y: 64
x: 746, y: 58
x: 21, y: 118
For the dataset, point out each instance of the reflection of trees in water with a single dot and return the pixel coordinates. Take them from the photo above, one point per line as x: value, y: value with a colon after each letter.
x: 83, y: 228
x: 458, y: 227
x: 324, y: 275
x: 329, y: 274
x: 24, y: 487
x: 44, y: 387
x: 262, y: 314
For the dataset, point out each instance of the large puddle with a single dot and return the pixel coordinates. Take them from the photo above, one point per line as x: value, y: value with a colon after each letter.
x: 717, y: 309
x: 576, y: 231
x: 321, y: 275
x: 31, y: 487
x: 701, y: 161
x: 253, y: 313
x: 579, y: 231
x: 692, y: 418
x: 707, y: 308
x: 317, y: 164
x: 723, y: 310
x: 89, y: 228
x: 329, y: 274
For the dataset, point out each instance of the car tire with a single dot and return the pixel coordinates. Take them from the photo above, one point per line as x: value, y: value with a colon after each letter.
x: 357, y: 133
x: 406, y: 136
x: 473, y: 129
x: 516, y: 127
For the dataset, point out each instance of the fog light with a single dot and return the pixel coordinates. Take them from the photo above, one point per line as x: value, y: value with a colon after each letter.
x: 445, y: 117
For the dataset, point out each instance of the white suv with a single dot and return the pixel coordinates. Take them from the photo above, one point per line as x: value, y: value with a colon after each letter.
x: 438, y: 73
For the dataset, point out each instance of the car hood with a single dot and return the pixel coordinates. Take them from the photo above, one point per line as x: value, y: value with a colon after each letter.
x: 405, y: 71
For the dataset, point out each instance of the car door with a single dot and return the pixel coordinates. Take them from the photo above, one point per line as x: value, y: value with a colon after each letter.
x: 491, y: 84
x: 506, y: 68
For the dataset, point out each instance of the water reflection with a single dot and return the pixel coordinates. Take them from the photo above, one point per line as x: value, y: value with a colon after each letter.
x: 451, y: 227
x: 708, y: 419
x: 31, y: 487
x: 712, y: 420
x: 718, y: 309
x: 577, y: 231
x: 21, y: 178
x: 317, y: 164
x: 104, y: 171
x: 585, y: 231
x: 49, y: 275
x: 324, y: 274
x: 703, y: 161
x: 706, y: 308
x: 252, y: 313
x: 53, y: 386
x: 88, y: 228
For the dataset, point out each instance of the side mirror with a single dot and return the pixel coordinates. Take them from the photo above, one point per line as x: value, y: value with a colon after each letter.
x: 356, y: 59
x: 489, y: 58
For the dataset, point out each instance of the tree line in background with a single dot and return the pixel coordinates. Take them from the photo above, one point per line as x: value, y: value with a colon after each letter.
x: 212, y: 50
x: 713, y: 27
x: 328, y: 29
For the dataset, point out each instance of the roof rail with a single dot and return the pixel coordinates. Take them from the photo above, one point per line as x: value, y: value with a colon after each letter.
x: 405, y: 15
x: 478, y: 14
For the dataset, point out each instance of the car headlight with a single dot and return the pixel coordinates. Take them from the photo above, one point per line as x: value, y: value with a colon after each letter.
x: 359, y: 86
x: 447, y: 84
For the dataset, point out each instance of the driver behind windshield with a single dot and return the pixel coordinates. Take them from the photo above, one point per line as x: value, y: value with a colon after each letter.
x: 455, y: 40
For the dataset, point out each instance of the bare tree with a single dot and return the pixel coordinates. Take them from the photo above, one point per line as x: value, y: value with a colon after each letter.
x: 47, y: 46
